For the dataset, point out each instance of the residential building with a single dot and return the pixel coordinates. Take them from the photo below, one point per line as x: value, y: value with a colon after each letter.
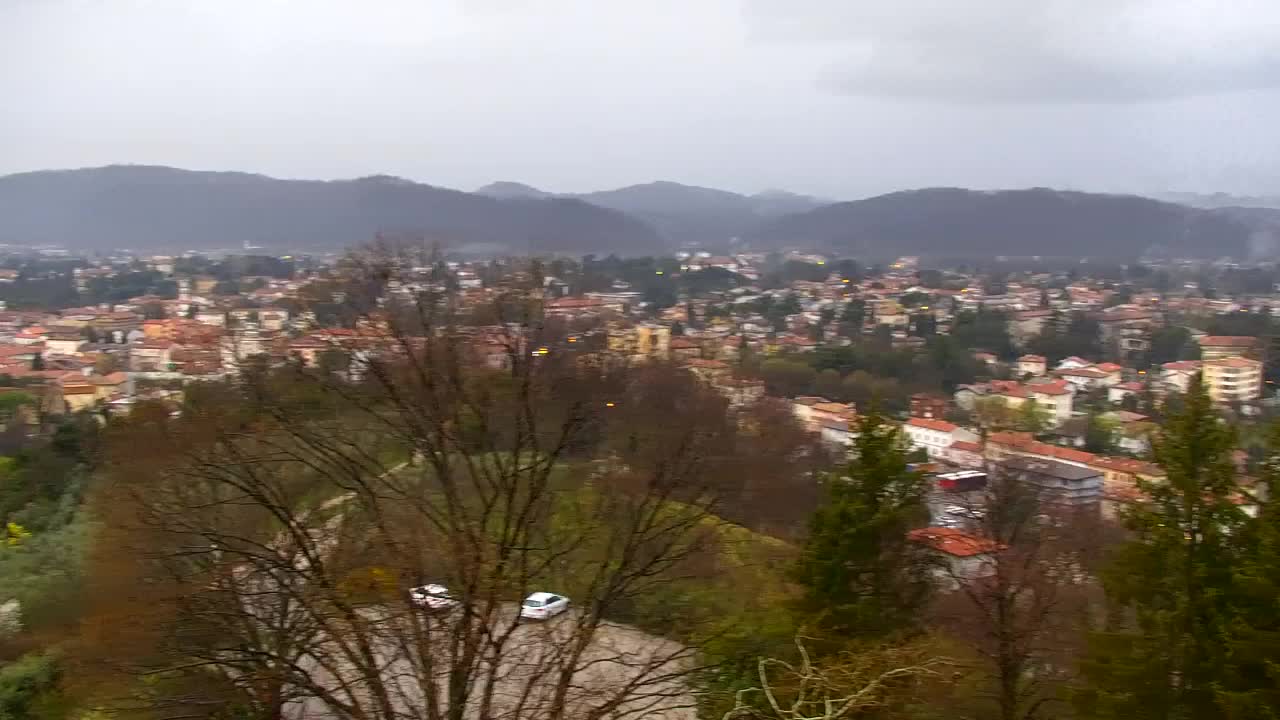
x: 63, y: 341
x: 924, y: 405
x: 1086, y: 378
x: 1027, y: 324
x: 836, y: 433
x: 1033, y: 365
x: 741, y: 391
x: 1117, y: 393
x: 1233, y: 379
x: 965, y: 454
x: 1058, y: 481
x: 1176, y: 376
x: 935, y: 436
x: 962, y: 556
x: 1216, y: 347
x: 1127, y: 328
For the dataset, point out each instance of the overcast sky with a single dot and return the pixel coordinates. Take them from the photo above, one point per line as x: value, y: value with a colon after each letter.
x: 842, y: 98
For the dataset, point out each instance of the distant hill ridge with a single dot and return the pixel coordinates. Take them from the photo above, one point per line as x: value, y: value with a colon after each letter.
x: 1036, y: 221
x: 152, y: 207
x: 135, y: 206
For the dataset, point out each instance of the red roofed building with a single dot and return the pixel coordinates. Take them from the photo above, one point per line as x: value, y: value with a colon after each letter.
x: 1214, y: 347
x: 924, y: 405
x: 963, y: 556
x: 1032, y: 365
x: 935, y: 436
x: 1117, y: 393
x: 965, y: 454
x: 683, y: 348
x: 1233, y: 380
x: 574, y: 306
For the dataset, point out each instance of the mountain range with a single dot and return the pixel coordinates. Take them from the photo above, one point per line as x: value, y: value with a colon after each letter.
x: 683, y: 214
x: 162, y: 208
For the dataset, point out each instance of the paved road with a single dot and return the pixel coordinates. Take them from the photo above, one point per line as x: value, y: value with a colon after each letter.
x: 622, y: 666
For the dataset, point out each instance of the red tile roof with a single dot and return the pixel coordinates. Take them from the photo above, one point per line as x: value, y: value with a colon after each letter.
x: 1234, y: 362
x: 931, y: 424
x: 954, y: 542
x: 1088, y: 372
x: 1058, y: 387
x: 1242, y: 341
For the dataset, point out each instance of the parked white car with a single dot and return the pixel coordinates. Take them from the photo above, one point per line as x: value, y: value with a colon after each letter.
x: 543, y: 606
x: 432, y: 597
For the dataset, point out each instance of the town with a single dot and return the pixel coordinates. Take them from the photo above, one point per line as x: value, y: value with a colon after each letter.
x: 1061, y: 368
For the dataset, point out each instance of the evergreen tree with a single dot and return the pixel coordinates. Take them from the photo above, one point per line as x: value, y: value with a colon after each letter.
x: 862, y: 576
x: 1251, y: 679
x: 1162, y: 654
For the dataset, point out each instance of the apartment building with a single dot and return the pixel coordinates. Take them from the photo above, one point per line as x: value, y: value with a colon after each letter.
x: 1233, y: 379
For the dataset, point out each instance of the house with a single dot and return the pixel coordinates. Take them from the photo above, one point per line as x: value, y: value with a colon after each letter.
x: 1124, y: 473
x: 1126, y: 327
x: 570, y: 307
x: 935, y: 436
x: 1027, y: 324
x: 924, y: 405
x: 151, y: 356
x: 1088, y: 378
x: 962, y: 556
x: 1001, y: 445
x: 1033, y: 365
x: 30, y: 335
x: 1057, y: 481
x: 1233, y: 379
x: 78, y: 396
x: 1117, y: 393
x: 802, y: 409
x: 1073, y: 363
x: 1216, y: 347
x: 836, y: 433
x: 62, y: 340
x: 741, y: 391
x: 1176, y: 376
x: 212, y: 317
x: 1056, y: 397
x: 1133, y: 431
x: 986, y: 358
x: 641, y: 342
x: 965, y: 454
x: 683, y: 348
x: 707, y: 370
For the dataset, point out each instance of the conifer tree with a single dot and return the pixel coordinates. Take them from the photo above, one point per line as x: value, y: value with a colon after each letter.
x: 861, y: 574
x: 1162, y: 654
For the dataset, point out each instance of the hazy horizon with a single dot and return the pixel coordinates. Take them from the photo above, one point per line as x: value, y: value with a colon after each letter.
x: 817, y: 97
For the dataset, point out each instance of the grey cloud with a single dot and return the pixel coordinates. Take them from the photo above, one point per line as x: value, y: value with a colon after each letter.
x: 1090, y: 51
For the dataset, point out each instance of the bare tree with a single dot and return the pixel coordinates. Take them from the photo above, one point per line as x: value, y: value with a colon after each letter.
x: 274, y: 524
x: 840, y: 687
x: 1019, y: 605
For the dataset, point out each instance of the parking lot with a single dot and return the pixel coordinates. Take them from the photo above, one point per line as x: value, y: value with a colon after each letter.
x: 622, y: 672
